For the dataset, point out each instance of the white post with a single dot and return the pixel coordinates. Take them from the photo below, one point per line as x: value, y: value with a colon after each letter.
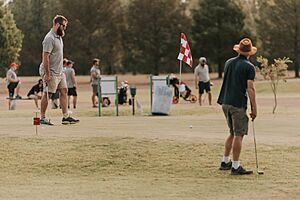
x: 180, y: 72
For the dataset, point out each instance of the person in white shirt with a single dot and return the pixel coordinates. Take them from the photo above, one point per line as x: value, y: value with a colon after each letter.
x: 12, y: 81
x: 202, y: 80
x: 71, y: 83
x: 95, y: 75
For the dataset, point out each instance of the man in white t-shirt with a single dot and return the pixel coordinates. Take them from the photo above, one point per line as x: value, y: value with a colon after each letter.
x: 71, y: 83
x: 95, y: 75
x: 202, y: 80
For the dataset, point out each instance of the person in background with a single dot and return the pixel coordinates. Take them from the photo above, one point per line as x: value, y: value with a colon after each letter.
x: 71, y: 83
x: 13, y: 83
x: 95, y: 75
x: 35, y: 92
x: 202, y: 80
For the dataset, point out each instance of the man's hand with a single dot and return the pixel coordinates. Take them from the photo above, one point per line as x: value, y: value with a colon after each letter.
x: 47, y: 77
x: 253, y: 114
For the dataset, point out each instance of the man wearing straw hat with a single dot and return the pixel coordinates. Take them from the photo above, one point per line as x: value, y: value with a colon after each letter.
x: 239, y: 74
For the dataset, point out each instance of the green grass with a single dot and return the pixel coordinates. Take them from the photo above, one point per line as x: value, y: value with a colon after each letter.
x: 189, y: 165
x: 145, y: 157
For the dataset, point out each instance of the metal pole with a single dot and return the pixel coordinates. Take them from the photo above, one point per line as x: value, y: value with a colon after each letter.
x: 36, y: 128
x: 117, y: 98
x: 99, y: 97
x: 180, y: 72
x: 132, y: 105
x: 151, y: 92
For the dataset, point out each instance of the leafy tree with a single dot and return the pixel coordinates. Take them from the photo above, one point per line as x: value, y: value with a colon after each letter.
x: 279, y: 29
x: 10, y: 39
x: 152, y: 36
x: 34, y: 24
x: 93, y: 31
x: 274, y: 73
x: 217, y: 26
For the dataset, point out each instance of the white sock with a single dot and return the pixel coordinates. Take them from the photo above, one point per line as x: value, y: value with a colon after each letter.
x: 235, y: 164
x: 226, y: 159
x: 66, y: 115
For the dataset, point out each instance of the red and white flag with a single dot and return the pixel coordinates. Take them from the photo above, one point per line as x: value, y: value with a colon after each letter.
x: 185, y: 53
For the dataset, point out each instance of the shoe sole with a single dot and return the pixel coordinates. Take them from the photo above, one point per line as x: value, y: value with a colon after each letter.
x: 66, y: 123
x: 47, y: 124
x: 236, y: 174
x: 224, y: 169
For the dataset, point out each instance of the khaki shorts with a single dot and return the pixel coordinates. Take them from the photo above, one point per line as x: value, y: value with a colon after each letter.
x: 95, y: 89
x: 56, y: 82
x: 237, y: 120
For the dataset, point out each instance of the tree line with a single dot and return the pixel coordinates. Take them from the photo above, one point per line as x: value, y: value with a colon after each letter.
x: 142, y: 36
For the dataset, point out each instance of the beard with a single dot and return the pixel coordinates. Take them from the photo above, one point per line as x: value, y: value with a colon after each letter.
x: 60, y: 32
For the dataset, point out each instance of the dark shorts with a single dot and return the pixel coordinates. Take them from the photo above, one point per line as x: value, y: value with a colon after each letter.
x: 55, y: 95
x: 203, y: 86
x: 72, y: 92
x: 11, y: 88
x: 237, y: 120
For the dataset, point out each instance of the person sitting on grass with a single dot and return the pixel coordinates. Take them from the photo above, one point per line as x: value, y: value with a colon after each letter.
x: 35, y: 92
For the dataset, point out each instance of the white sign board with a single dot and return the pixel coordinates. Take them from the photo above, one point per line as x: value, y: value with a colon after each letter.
x: 162, y: 96
x: 108, y: 86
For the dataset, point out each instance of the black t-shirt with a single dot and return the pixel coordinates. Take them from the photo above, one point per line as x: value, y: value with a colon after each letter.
x: 35, y: 89
x: 237, y: 72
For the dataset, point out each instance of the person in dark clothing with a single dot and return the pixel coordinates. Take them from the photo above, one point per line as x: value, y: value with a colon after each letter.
x: 36, y: 92
x: 239, y: 74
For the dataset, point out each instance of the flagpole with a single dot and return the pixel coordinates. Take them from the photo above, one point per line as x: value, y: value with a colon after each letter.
x: 180, y: 72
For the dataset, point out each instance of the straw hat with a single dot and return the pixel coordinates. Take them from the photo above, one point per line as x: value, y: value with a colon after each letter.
x: 245, y: 47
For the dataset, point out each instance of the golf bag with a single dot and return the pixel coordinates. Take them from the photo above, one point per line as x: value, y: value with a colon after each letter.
x: 182, y: 90
x: 122, y: 94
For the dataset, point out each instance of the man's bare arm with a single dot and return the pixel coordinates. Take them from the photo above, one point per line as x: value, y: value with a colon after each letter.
x: 252, y: 96
x: 46, y: 64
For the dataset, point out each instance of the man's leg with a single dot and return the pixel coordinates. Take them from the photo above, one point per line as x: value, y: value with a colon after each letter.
x: 209, y: 97
x: 64, y: 101
x: 94, y: 99
x: 228, y: 145
x: 67, y: 119
x: 36, y: 102
x: 226, y: 163
x: 44, y: 104
x: 69, y: 97
x: 18, y: 89
x: 200, y: 99
x: 74, y: 101
x: 237, y: 169
x: 236, y: 147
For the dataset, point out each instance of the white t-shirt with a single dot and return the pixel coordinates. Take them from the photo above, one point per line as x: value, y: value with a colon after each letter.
x: 202, y: 73
x: 10, y: 74
x: 69, y: 72
x: 97, y: 72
